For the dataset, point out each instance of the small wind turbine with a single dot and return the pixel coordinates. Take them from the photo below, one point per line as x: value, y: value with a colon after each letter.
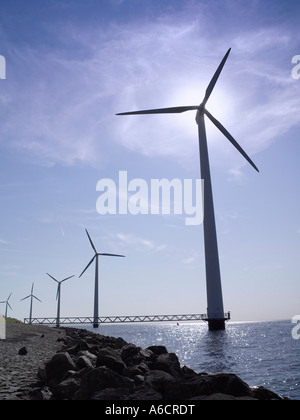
x: 59, y: 283
x: 96, y: 293
x: 7, y: 305
x: 215, y: 317
x: 31, y: 302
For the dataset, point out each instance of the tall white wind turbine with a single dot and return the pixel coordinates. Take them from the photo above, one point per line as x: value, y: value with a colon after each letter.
x: 216, y: 317
x: 96, y: 293
x: 6, y: 302
x: 31, y: 296
x: 58, y: 295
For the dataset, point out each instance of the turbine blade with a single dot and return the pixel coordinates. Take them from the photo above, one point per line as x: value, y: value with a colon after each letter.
x: 173, y: 110
x: 9, y: 306
x: 93, y: 246
x: 230, y: 138
x: 36, y: 298
x: 9, y: 297
x: 87, y: 266
x: 112, y: 255
x: 214, y: 80
x: 57, y: 294
x: 32, y: 288
x: 52, y: 277
x: 27, y: 297
x: 68, y: 278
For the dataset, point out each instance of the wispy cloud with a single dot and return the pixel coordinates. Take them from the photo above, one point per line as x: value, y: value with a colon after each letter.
x: 139, y: 243
x: 188, y: 261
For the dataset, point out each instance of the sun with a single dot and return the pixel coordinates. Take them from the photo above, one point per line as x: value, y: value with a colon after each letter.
x: 192, y: 93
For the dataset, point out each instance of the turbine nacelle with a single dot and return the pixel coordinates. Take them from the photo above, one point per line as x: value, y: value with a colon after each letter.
x: 200, y: 112
x: 31, y: 295
x: 59, y: 283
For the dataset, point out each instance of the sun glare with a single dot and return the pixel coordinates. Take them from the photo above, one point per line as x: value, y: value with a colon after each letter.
x: 219, y: 105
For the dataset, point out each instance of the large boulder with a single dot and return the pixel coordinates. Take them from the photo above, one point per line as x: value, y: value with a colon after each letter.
x: 261, y: 393
x: 205, y: 385
x: 96, y: 380
x: 67, y: 389
x: 56, y: 369
x: 158, y: 350
x: 110, y: 358
x: 131, y: 355
x: 168, y: 362
x: 159, y: 381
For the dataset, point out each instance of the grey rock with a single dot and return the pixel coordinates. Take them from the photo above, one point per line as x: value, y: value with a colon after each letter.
x: 159, y: 381
x: 168, y: 362
x: 92, y: 357
x: 23, y: 351
x: 158, y: 350
x: 230, y: 384
x: 111, y: 358
x: 131, y: 355
x: 83, y: 362
x: 67, y: 389
x: 261, y: 393
x: 120, y: 343
x: 111, y: 394
x: 43, y: 394
x: 144, y: 393
x: 58, y: 366
x: 99, y: 379
x: 206, y: 385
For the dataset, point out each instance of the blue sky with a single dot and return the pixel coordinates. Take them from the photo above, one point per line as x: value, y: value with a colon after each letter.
x: 70, y: 67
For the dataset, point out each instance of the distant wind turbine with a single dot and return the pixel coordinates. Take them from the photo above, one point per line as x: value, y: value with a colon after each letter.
x: 215, y: 316
x: 6, y: 302
x: 31, y: 296
x: 59, y: 283
x: 96, y: 293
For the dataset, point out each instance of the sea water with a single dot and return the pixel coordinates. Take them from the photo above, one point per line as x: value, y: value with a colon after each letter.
x: 260, y: 353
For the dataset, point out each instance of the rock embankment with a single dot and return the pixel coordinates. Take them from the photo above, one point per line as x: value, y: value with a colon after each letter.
x: 94, y: 367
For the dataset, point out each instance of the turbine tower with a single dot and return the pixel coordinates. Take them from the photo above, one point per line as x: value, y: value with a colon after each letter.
x: 31, y: 296
x: 215, y: 314
x: 59, y: 283
x: 6, y: 302
x: 96, y: 293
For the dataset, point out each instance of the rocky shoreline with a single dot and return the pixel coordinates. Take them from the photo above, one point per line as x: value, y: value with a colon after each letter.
x: 75, y: 364
x: 25, y: 348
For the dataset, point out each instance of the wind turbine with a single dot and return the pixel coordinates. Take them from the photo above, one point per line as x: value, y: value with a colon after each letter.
x: 96, y: 293
x: 7, y: 305
x: 59, y: 283
x: 215, y: 316
x: 31, y: 302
